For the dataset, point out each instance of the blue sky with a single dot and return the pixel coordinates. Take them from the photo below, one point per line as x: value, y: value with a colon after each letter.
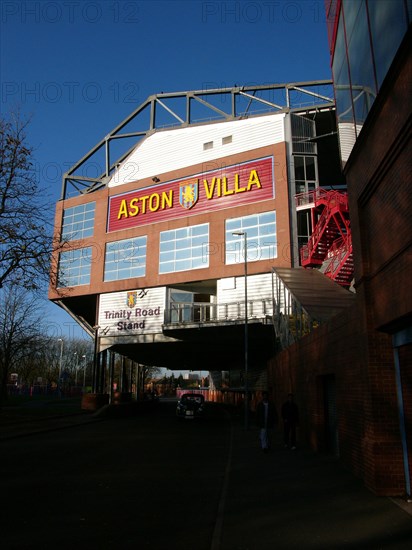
x: 80, y: 67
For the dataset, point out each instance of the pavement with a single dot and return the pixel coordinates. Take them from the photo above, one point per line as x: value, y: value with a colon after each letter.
x: 302, y: 500
x: 283, y: 499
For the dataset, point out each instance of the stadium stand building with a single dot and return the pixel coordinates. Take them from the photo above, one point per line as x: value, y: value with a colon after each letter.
x: 151, y: 260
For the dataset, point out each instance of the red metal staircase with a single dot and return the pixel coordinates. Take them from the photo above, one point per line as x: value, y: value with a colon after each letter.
x: 330, y: 245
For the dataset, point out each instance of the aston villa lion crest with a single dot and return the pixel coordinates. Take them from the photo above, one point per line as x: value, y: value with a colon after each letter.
x: 189, y: 194
x: 131, y: 299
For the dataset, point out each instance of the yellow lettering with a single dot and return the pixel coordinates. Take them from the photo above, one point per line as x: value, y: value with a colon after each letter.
x: 144, y: 201
x: 167, y: 199
x: 154, y: 202
x: 133, y: 208
x: 122, y: 210
x: 253, y: 180
x: 237, y: 188
x: 226, y: 191
x: 209, y: 189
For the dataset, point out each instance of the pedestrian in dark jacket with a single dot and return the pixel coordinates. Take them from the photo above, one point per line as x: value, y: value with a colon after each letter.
x: 265, y: 419
x: 290, y: 416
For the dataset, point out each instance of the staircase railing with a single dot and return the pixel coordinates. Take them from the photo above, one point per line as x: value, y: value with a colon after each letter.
x: 333, y: 201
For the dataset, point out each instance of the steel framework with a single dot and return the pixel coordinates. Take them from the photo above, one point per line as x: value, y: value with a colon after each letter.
x: 181, y: 109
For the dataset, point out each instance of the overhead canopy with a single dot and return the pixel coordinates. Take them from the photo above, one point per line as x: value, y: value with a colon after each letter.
x: 318, y: 295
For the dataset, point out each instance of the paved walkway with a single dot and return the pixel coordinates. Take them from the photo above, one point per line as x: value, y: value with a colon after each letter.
x: 301, y: 500
x: 280, y: 500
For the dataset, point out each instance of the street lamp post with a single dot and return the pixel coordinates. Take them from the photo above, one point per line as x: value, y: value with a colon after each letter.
x: 244, y: 235
x: 60, y: 366
x: 76, y: 368
x: 84, y: 373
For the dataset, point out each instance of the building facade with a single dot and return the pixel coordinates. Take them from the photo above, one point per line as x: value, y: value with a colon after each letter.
x: 352, y: 376
x: 152, y: 252
x: 371, y: 64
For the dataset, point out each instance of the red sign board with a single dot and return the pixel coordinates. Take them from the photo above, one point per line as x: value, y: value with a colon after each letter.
x: 224, y: 188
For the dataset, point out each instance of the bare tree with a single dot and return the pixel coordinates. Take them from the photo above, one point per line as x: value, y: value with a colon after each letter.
x: 25, y: 214
x: 21, y: 333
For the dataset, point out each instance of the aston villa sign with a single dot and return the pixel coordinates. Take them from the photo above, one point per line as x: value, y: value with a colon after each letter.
x: 224, y: 188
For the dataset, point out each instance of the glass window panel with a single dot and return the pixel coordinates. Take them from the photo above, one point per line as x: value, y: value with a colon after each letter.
x: 341, y: 77
x: 299, y: 168
x: 261, y: 238
x: 252, y: 232
x: 231, y: 225
x: 199, y: 241
x: 182, y: 265
x: 200, y: 230
x: 183, y: 254
x: 200, y: 262
x: 167, y: 245
x: 268, y: 229
x: 360, y: 59
x: 388, y: 26
x: 74, y: 267
x: 181, y: 233
x: 186, y: 251
x: 266, y: 217
x: 125, y: 259
x: 74, y: 224
x: 249, y: 221
x: 310, y: 168
x: 168, y: 236
x: 182, y: 243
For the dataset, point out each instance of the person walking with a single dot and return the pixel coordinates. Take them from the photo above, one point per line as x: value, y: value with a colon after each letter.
x: 290, y: 416
x: 266, y: 419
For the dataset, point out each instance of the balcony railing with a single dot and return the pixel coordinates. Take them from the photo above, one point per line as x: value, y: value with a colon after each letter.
x: 184, y: 313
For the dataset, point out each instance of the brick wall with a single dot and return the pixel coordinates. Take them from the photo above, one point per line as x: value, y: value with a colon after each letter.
x: 356, y: 347
x: 363, y: 368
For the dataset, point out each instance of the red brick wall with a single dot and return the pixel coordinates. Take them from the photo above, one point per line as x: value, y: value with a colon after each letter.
x: 356, y: 346
x: 379, y: 182
x: 363, y: 366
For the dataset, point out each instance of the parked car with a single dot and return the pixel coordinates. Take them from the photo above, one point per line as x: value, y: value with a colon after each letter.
x: 190, y: 406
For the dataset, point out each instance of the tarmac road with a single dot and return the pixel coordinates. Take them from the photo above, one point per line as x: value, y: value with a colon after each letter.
x: 151, y: 481
x: 140, y: 482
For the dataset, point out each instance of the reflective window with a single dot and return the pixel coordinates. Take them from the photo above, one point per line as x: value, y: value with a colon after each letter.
x: 369, y: 33
x: 260, y: 231
x: 388, y: 27
x: 78, y: 222
x: 184, y: 249
x: 341, y: 78
x: 125, y: 259
x: 75, y: 267
x: 360, y: 60
x: 305, y: 173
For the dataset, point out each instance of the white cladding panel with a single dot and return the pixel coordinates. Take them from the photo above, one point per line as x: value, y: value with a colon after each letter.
x: 173, y: 149
x: 132, y: 312
x: 231, y: 291
x: 347, y: 138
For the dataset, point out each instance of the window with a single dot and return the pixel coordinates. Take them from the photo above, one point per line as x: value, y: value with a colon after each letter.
x: 360, y: 60
x: 184, y: 248
x: 260, y: 232
x: 208, y: 145
x: 125, y: 259
x: 226, y: 140
x: 305, y: 173
x: 78, y: 222
x: 388, y: 22
x: 75, y: 267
